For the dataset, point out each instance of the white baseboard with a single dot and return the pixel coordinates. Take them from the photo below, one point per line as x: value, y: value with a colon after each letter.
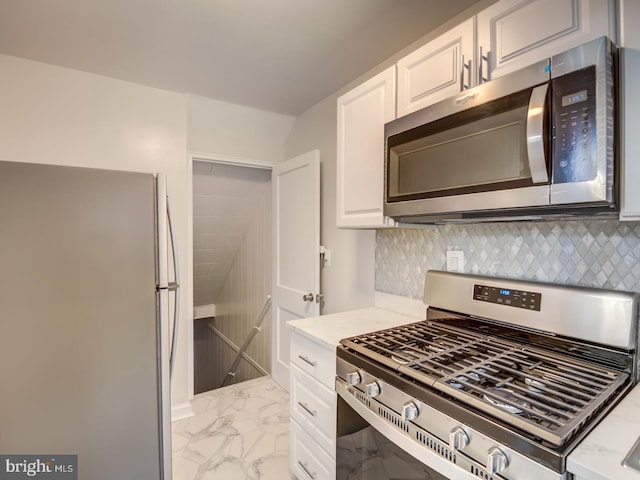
x: 204, y: 311
x: 181, y: 411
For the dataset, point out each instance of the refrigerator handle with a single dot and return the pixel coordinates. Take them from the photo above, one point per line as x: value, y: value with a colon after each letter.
x: 175, y: 287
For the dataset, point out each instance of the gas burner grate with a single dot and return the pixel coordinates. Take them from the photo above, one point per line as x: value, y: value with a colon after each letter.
x: 544, y: 393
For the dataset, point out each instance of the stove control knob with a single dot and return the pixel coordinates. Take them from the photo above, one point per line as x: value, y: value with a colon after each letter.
x: 373, y: 389
x: 497, y: 461
x: 353, y: 378
x: 458, y: 439
x: 409, y: 411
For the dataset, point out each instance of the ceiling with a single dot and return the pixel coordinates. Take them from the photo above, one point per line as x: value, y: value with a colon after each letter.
x: 281, y: 56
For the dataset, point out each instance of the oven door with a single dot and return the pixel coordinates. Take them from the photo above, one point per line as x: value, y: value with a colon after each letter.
x: 363, y: 453
x: 371, y: 447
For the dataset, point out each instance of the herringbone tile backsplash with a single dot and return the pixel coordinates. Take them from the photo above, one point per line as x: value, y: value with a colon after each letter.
x: 598, y: 253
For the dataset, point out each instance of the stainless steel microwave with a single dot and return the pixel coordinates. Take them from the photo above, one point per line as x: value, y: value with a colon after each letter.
x: 539, y: 141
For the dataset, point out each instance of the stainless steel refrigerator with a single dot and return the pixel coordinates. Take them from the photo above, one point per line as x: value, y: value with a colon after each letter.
x: 85, y: 345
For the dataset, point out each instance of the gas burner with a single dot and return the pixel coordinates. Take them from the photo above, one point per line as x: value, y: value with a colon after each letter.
x: 401, y: 361
x: 466, y: 378
x: 497, y: 394
x: 404, y: 354
x: 534, y: 385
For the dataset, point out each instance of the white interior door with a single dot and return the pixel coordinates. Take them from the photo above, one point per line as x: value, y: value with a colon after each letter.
x: 296, y: 241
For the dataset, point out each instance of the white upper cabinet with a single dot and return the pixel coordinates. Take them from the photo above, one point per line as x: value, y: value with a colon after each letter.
x: 504, y: 37
x: 630, y: 110
x: 362, y: 113
x: 515, y: 33
x: 440, y: 69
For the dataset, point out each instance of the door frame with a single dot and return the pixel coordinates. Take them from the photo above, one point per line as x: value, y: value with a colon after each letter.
x: 207, y: 158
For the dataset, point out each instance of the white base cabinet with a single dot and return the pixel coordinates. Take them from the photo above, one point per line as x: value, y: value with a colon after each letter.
x: 312, y: 408
x: 515, y: 33
x: 308, y: 462
x: 362, y: 113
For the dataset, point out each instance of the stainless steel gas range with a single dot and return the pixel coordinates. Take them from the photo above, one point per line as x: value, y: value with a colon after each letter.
x: 501, y: 381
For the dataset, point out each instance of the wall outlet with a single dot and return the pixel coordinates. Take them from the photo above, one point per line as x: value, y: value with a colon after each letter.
x: 455, y: 260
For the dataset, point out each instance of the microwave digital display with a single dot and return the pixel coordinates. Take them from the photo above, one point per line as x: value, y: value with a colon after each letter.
x: 577, y: 97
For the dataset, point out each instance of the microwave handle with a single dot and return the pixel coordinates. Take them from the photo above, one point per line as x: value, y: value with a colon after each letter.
x: 535, y: 131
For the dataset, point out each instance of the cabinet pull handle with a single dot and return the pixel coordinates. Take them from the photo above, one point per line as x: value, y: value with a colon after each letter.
x: 306, y: 360
x: 307, y: 409
x: 306, y: 470
x: 465, y: 66
x: 483, y: 58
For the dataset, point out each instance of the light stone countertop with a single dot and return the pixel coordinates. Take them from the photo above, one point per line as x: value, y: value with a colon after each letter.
x: 600, y: 455
x: 328, y: 330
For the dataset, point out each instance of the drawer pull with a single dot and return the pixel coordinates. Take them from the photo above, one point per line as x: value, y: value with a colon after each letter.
x: 306, y: 469
x: 306, y: 360
x: 307, y: 409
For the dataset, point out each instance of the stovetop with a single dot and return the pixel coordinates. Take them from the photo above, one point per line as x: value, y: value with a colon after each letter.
x: 526, y: 367
x: 545, y: 393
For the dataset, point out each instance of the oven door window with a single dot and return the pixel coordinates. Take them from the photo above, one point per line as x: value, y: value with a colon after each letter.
x: 362, y: 453
x: 481, y: 149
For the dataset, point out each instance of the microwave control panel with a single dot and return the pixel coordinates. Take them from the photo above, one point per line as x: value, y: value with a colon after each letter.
x: 574, y: 126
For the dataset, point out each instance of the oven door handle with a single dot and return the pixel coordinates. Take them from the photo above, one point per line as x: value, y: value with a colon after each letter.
x: 535, y: 131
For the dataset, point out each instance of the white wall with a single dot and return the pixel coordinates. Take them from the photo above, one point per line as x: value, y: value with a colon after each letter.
x: 349, y: 282
x: 224, y: 129
x: 60, y: 116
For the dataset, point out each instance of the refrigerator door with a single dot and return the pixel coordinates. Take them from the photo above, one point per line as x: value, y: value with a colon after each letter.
x: 80, y: 344
x: 165, y: 338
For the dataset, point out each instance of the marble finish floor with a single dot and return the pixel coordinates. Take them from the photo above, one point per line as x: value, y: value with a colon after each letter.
x: 238, y: 432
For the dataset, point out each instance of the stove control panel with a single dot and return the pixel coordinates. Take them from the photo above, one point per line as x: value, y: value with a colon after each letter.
x: 507, y: 296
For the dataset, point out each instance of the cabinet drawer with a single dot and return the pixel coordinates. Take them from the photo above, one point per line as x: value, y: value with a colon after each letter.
x: 308, y: 461
x: 315, y: 359
x: 314, y: 406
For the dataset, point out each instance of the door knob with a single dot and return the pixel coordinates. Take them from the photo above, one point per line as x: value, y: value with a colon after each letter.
x: 308, y: 297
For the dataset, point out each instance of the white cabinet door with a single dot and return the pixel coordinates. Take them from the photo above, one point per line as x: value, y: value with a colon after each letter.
x: 307, y: 461
x: 440, y: 69
x: 515, y: 33
x: 296, y: 242
x: 362, y: 113
x: 630, y: 151
x: 630, y: 110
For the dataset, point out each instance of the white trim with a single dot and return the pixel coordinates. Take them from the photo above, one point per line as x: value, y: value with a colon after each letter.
x: 204, y: 311
x: 230, y: 160
x: 181, y: 411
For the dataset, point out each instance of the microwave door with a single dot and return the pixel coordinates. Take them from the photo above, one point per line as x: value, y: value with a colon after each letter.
x: 489, y: 157
x: 536, y: 151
